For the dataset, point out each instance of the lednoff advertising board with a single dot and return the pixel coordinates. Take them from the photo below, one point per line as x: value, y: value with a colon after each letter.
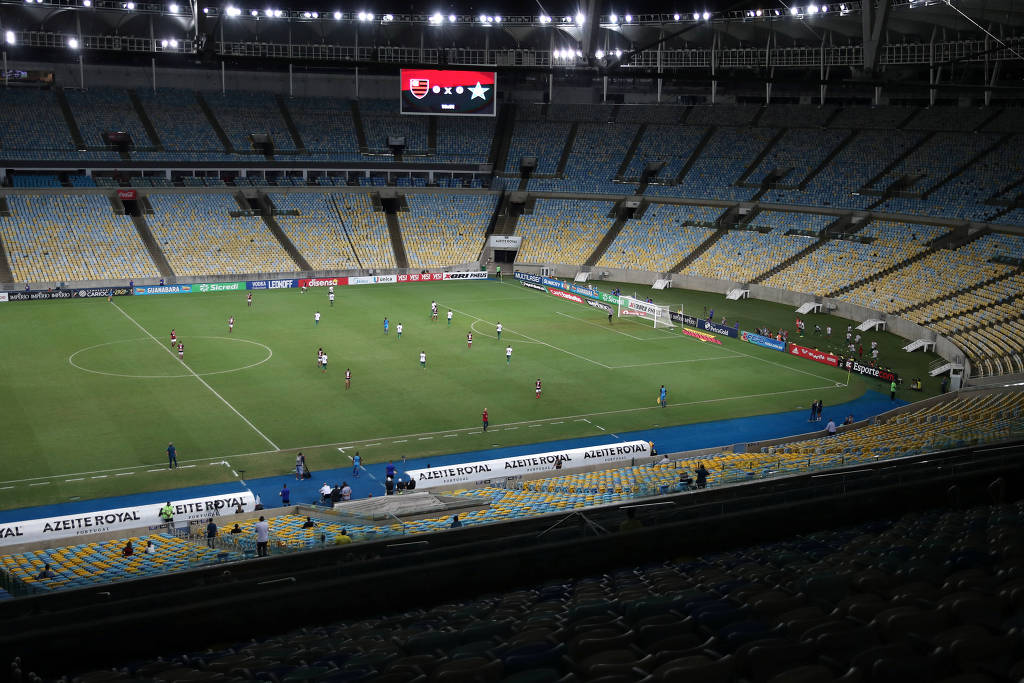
x: 102, y: 521
x: 459, y: 93
x: 813, y: 354
x: 574, y: 458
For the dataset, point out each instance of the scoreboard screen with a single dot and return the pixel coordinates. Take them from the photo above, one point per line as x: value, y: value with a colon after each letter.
x: 462, y: 93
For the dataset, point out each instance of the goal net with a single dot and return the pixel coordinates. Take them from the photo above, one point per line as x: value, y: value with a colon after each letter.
x: 635, y: 308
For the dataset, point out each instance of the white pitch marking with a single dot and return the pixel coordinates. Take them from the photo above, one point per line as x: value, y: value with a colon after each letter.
x: 4, y: 488
x: 601, y: 428
x: 399, y: 440
x: 123, y: 474
x: 509, y: 429
x: 449, y: 436
x: 159, y: 470
x: 102, y: 476
x: 40, y: 483
x: 66, y: 480
x: 372, y: 444
x: 423, y: 438
x: 560, y: 422
x: 185, y: 467
x: 201, y: 380
x: 71, y: 360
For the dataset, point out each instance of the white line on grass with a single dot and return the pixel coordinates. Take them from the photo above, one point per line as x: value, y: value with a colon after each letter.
x: 673, y: 362
x: 65, y: 481
x: 123, y: 474
x: 608, y: 329
x: 508, y: 427
x: 40, y: 483
x: 201, y: 380
x: 536, y: 341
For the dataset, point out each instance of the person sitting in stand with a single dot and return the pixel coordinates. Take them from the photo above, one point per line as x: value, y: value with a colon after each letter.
x: 127, y: 550
x: 685, y: 481
x: 309, y: 524
x: 235, y: 529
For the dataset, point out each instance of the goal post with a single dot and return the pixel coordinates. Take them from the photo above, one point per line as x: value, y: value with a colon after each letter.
x: 635, y: 308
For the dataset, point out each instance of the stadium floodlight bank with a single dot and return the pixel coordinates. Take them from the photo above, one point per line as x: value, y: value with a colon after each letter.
x: 636, y: 308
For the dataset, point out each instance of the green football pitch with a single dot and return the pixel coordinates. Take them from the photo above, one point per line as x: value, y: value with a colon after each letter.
x: 91, y: 394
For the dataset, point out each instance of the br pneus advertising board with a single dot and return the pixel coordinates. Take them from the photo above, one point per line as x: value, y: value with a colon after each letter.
x: 435, y: 91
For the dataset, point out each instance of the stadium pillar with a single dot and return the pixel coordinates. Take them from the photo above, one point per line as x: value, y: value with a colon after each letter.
x: 152, y: 64
x: 223, y: 79
x: 714, y: 59
x: 604, y: 88
x: 661, y: 38
x: 291, y: 89
x: 873, y: 23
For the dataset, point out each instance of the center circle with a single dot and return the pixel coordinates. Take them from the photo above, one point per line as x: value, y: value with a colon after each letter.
x: 76, y: 361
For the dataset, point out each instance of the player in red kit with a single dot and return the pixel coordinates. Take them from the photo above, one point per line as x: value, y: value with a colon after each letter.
x: 469, y: 340
x: 181, y: 351
x: 538, y: 387
x: 174, y: 338
x: 231, y: 324
x: 249, y: 300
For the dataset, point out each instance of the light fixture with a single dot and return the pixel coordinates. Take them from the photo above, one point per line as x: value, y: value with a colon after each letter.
x: 618, y: 53
x: 629, y: 18
x: 278, y: 13
x: 545, y: 19
x: 254, y: 13
x: 436, y: 18
x: 389, y: 17
x: 73, y: 43
x: 812, y: 9
x: 567, y: 20
x: 613, y: 19
x: 758, y: 13
x: 497, y: 19
x: 580, y: 19
x: 269, y: 12
x: 599, y: 54
x: 307, y: 15
x: 451, y: 18
x: 206, y: 10
x: 9, y: 38
x: 233, y: 11
x: 794, y: 10
x: 483, y: 18
x: 676, y: 17
x: 337, y: 15
x: 129, y: 5
x: 316, y: 15
x: 173, y: 8
x: 706, y: 16
x: 174, y: 44
x: 696, y: 16
x: 579, y: 53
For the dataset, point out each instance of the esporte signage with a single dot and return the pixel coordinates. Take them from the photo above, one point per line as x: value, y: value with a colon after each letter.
x: 868, y: 371
x: 102, y: 521
x: 571, y: 459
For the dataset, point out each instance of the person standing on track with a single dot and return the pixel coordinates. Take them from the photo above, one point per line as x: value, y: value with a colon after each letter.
x: 356, y: 464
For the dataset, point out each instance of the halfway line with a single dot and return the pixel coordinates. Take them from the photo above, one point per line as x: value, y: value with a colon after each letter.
x: 201, y: 380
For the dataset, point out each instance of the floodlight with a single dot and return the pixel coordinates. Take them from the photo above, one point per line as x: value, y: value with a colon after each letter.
x: 579, y: 53
x: 173, y: 8
x: 233, y: 11
x: 696, y: 16
x: 706, y: 16
x: 794, y: 11
x: 758, y: 13
x: 129, y: 5
x: 580, y: 18
x: 337, y: 15
x: 629, y: 18
x: 497, y: 19
x: 599, y: 54
x: 618, y: 53
x: 254, y: 13
x: 613, y: 18
x: 812, y: 9
x: 436, y: 18
x: 544, y: 19
x: 389, y: 17
x: 278, y: 13
x: 174, y: 44
x: 676, y: 17
x: 9, y: 38
x: 451, y: 18
x: 73, y: 43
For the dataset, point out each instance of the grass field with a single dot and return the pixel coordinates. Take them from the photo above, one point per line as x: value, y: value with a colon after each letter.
x: 90, y: 394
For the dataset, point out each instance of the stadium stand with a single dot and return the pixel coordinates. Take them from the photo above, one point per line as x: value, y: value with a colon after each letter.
x: 241, y: 114
x: 934, y: 159
x: 797, y: 153
x: 671, y: 144
x: 939, y: 273
x: 796, y: 116
x: 726, y: 156
x: 742, y: 255
x: 102, y: 110
x: 562, y: 231
x: 199, y: 236
x: 462, y: 141
x: 381, y: 120
x: 97, y: 563
x: 661, y: 238
x: 445, y: 229
x: 544, y: 140
x: 722, y: 115
x: 889, y: 116
x: 595, y: 156
x: 335, y: 231
x: 326, y: 127
x: 64, y: 237
x: 184, y: 131
x: 33, y: 127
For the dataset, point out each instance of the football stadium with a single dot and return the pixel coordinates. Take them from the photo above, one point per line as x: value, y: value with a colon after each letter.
x: 453, y: 343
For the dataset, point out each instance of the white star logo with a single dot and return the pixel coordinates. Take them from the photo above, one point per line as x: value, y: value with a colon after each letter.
x: 479, y: 91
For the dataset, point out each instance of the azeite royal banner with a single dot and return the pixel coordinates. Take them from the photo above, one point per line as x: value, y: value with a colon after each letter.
x: 433, y: 91
x: 574, y: 458
x: 89, y: 523
x: 813, y: 354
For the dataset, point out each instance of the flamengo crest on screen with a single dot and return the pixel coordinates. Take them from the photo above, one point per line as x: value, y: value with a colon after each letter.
x: 437, y: 91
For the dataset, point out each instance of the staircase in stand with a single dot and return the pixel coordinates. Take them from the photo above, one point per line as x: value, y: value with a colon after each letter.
x: 828, y: 160
x: 397, y: 243
x: 608, y: 238
x: 760, y: 157
x: 69, y: 118
x: 1003, y: 139
x: 265, y: 208
x: 892, y: 164
x: 563, y: 161
x: 357, y: 123
x: 344, y: 228
x: 289, y: 123
x: 695, y: 154
x: 699, y: 251
x: 155, y: 253
x: 498, y: 154
x: 631, y: 150
x: 147, y: 124
x: 882, y: 273
x: 215, y: 124
x: 6, y: 274
x: 432, y: 134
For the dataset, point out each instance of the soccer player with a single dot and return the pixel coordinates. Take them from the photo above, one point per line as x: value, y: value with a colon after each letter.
x: 231, y: 324
x: 319, y: 357
x: 249, y: 300
x: 323, y: 363
x: 469, y: 340
x: 348, y: 378
x: 386, y: 324
x: 330, y: 290
x: 174, y: 338
x: 538, y: 387
x: 433, y: 310
x: 398, y: 329
x: 356, y: 464
x: 508, y: 355
x: 181, y: 351
x: 423, y: 359
x: 449, y: 317
x: 316, y: 319
x: 330, y: 297
x: 662, y: 396
x: 484, y: 417
x: 499, y: 330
